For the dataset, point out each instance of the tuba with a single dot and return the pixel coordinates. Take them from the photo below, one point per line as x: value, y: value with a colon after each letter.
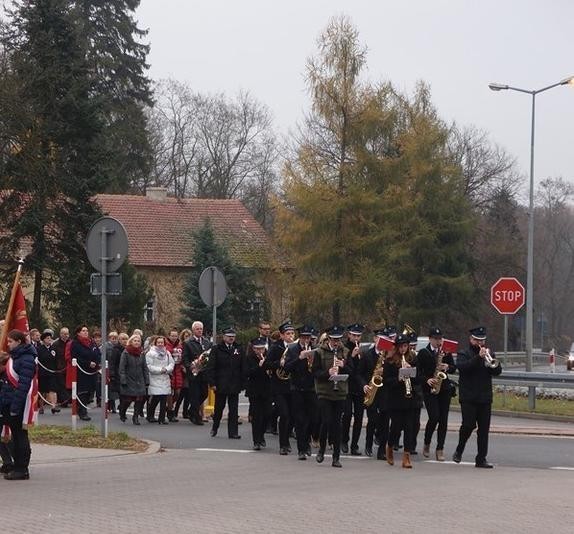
x: 376, y: 381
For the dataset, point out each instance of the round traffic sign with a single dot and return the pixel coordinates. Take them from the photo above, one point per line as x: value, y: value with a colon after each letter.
x: 507, y: 295
x: 107, y: 238
x: 212, y: 283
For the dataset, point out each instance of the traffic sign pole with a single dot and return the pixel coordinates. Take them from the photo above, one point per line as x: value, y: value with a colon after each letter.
x: 104, y: 312
x: 213, y: 293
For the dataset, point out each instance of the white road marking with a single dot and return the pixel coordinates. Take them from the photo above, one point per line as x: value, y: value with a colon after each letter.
x: 243, y: 451
x: 447, y: 462
x: 562, y: 468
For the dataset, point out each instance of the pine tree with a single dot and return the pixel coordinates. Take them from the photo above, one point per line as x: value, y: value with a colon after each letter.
x: 237, y: 310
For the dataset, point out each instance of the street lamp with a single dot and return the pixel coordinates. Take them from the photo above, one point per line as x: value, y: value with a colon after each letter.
x: 530, y: 256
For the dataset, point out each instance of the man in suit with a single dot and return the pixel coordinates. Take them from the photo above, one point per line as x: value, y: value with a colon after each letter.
x: 476, y: 368
x: 226, y: 374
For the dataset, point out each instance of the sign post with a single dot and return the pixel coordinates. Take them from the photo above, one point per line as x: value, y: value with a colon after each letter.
x: 213, y: 292
x: 107, y: 249
x: 507, y: 296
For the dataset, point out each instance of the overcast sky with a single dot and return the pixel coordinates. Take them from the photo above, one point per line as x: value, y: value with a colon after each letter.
x: 457, y: 46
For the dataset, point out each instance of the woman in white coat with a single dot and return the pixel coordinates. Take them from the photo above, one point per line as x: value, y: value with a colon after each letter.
x: 160, y: 365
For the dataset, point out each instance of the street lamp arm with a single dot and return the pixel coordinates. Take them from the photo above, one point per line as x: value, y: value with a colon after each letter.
x: 563, y: 82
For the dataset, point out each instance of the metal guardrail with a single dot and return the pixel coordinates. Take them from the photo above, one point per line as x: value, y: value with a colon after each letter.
x: 531, y: 381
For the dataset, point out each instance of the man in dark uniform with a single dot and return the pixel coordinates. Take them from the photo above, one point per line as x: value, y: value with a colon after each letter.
x: 377, y: 413
x: 329, y: 359
x: 303, y: 396
x: 259, y: 390
x: 430, y: 361
x: 226, y: 374
x: 476, y: 368
x: 417, y: 396
x: 354, y: 404
x: 280, y: 386
x: 192, y: 349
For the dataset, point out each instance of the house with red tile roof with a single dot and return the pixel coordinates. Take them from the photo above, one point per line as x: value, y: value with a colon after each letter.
x: 160, y: 235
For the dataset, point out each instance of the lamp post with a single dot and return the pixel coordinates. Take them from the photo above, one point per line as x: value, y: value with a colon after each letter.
x: 530, y: 255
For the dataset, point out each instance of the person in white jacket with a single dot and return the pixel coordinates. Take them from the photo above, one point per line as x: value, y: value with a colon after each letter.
x: 160, y: 365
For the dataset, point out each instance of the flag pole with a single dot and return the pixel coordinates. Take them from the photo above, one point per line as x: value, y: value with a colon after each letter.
x: 4, y: 333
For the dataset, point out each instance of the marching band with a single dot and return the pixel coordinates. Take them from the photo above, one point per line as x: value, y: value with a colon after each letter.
x: 319, y: 386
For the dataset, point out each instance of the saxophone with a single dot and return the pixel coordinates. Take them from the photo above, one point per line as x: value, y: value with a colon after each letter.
x: 281, y: 373
x: 376, y: 381
x: 407, y: 380
x: 439, y: 375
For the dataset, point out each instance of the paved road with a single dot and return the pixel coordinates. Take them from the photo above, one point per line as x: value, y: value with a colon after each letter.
x: 505, y: 449
x: 228, y: 492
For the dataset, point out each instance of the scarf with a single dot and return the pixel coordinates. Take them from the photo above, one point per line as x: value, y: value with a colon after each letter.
x: 134, y: 351
x: 86, y: 341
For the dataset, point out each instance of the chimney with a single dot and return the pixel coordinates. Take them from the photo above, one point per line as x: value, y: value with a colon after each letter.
x: 156, y: 193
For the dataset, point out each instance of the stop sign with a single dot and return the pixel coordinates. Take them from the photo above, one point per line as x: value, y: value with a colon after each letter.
x: 507, y: 295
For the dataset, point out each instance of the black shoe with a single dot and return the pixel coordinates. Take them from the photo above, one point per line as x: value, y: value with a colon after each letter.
x: 55, y: 410
x: 484, y: 465
x: 197, y: 421
x: 151, y: 420
x: 308, y: 452
x: 256, y: 447
x: 123, y: 418
x: 239, y: 421
x: 17, y: 475
x: 456, y: 457
x: 263, y: 444
x: 368, y: 451
x: 213, y: 432
x: 381, y: 455
x: 414, y: 453
x: 302, y: 456
x: 345, y: 448
x: 235, y: 436
x: 283, y: 451
x: 136, y: 420
x: 320, y: 456
x: 336, y: 463
x: 288, y: 449
x: 163, y: 422
x: 6, y: 468
x: 355, y: 451
x: 376, y: 439
x: 84, y: 417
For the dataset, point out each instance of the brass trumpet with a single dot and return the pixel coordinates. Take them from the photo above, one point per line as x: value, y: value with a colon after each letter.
x: 489, y: 361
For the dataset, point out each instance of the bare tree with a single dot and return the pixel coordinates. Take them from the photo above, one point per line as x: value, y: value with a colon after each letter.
x: 487, y: 168
x: 554, y: 258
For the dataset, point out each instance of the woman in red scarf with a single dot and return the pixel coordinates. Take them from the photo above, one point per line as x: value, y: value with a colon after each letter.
x: 134, y: 378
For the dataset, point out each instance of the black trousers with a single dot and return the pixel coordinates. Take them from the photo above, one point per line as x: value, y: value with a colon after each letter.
x: 232, y: 401
x: 304, y: 408
x: 283, y: 404
x: 354, y: 407
x: 331, y: 413
x: 377, y: 421
x: 475, y: 415
x: 154, y: 401
x: 402, y: 421
x: 437, y: 409
x: 198, y: 391
x: 21, y: 450
x: 416, y: 426
x: 260, y: 412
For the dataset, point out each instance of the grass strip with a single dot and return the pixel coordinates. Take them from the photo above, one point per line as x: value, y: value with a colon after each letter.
x: 87, y: 436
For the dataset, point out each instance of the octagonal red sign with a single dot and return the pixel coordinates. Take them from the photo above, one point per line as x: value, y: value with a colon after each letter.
x: 507, y: 295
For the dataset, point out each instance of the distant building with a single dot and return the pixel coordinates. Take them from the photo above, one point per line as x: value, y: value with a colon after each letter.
x: 160, y: 233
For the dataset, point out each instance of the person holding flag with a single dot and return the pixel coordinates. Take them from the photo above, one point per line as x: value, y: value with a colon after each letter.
x: 18, y: 398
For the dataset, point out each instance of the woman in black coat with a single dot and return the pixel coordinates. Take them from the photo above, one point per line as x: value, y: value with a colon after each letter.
x: 47, y: 385
x: 88, y: 356
x: 134, y: 378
